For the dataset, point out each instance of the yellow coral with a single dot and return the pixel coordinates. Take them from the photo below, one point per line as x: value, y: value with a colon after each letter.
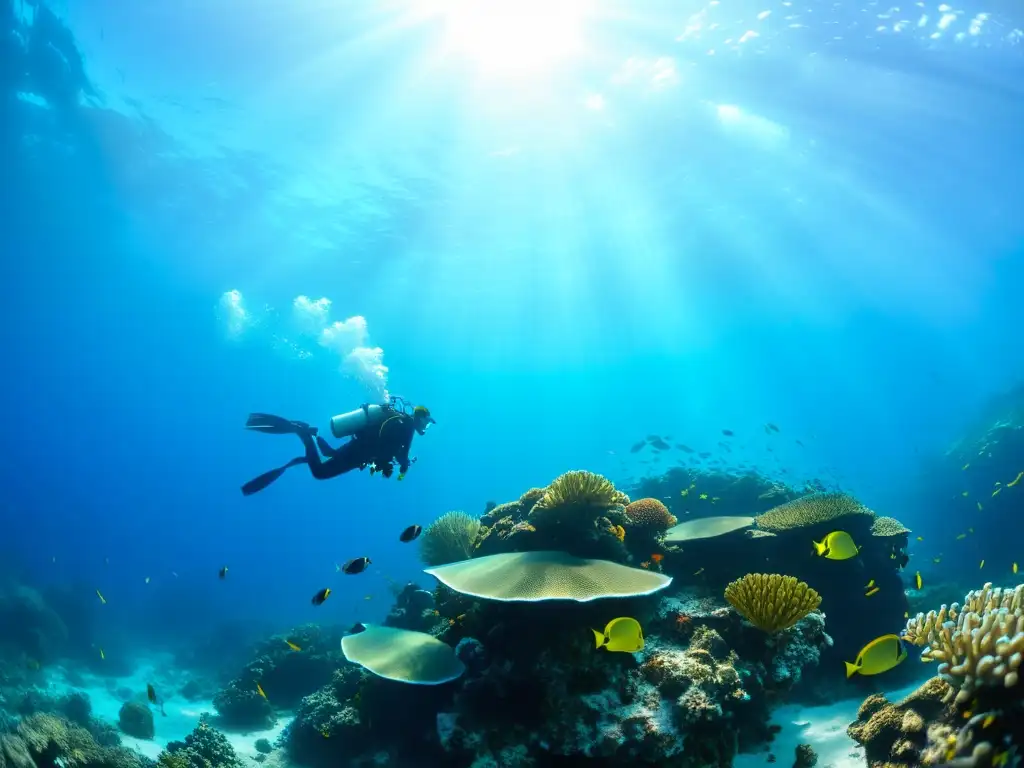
x: 618, y: 531
x: 580, y: 488
x: 771, y: 602
x: 980, y: 644
x: 810, y: 510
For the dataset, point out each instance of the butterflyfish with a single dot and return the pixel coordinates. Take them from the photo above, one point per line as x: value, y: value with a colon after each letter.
x: 223, y: 572
x: 292, y: 645
x: 698, y: 572
x: 917, y: 580
x: 623, y: 634
x: 259, y: 690
x: 410, y: 534
x: 1016, y: 479
x: 870, y: 592
x: 356, y: 566
x: 838, y: 545
x: 880, y: 655
x: 1014, y: 567
x: 103, y: 600
x: 319, y: 597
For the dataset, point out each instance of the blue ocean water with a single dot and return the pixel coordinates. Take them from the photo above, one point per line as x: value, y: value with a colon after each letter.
x: 562, y: 229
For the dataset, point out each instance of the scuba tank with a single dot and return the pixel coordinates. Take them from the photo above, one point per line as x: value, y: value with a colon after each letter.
x: 347, y: 424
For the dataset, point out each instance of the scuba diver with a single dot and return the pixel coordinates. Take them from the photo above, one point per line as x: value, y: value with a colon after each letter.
x: 381, y: 436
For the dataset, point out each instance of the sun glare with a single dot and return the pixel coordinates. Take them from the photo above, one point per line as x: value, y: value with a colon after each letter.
x: 513, y: 36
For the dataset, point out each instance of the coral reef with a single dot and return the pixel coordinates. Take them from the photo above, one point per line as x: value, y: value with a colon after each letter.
x: 770, y: 601
x: 812, y: 510
x: 136, y: 720
x: 449, y: 539
x: 284, y: 675
x: 413, y: 609
x: 806, y: 757
x: 650, y: 515
x: 31, y: 627
x: 980, y: 644
x: 54, y: 742
x: 205, y: 747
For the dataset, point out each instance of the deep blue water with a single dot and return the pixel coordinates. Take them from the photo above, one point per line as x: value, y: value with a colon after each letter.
x: 668, y: 230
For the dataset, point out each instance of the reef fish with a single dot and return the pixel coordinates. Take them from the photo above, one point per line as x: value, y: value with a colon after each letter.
x: 880, y: 655
x: 223, y: 572
x: 356, y: 566
x: 728, y: 432
x: 1016, y: 479
x: 917, y: 578
x: 103, y: 600
x: 410, y: 534
x: 292, y: 645
x: 838, y: 545
x: 623, y: 634
x: 319, y: 597
x: 154, y: 699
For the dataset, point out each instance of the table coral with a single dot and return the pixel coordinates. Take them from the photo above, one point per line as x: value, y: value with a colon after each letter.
x: 811, y: 510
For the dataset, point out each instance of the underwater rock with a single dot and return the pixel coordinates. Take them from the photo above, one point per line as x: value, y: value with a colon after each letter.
x: 136, y: 720
x: 472, y: 654
x: 413, y: 609
x: 263, y: 746
x: 806, y: 757
x: 31, y: 627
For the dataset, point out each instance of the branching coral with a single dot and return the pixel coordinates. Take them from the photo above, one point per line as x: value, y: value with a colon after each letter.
x: 811, y: 510
x: 978, y: 645
x: 449, y: 539
x: 771, y: 602
x: 650, y: 515
x: 205, y: 747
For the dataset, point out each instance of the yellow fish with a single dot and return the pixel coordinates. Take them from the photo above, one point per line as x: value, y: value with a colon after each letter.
x: 906, y: 614
x: 685, y: 492
x: 103, y: 600
x: 326, y: 734
x: 917, y: 578
x: 870, y: 592
x: 961, y: 537
x: 964, y: 493
x: 870, y: 584
x: 996, y: 492
x: 880, y: 655
x: 699, y: 572
x: 1016, y: 479
x: 259, y: 690
x: 838, y: 545
x: 920, y: 538
x: 982, y: 565
x: 1014, y: 567
x: 967, y: 465
x: 1000, y: 758
x: 989, y: 719
x: 292, y: 645
x: 102, y: 655
x: 623, y: 634
x: 703, y: 496
x: 980, y: 507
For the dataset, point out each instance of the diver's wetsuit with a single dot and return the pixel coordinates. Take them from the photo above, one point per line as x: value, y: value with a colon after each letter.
x: 380, y: 444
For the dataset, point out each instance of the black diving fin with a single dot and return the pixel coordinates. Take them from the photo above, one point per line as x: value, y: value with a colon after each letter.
x: 257, y: 484
x: 276, y: 425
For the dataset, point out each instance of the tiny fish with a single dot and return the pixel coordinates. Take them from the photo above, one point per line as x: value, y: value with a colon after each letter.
x: 703, y: 496
x: 368, y: 597
x: 699, y: 572
x: 319, y: 597
x: 772, y: 427
x: 870, y: 584
x: 996, y: 492
x: 961, y: 537
x: 1016, y: 479
x: 728, y: 432
x: 292, y: 645
x: 151, y: 695
x: 920, y: 538
x: 989, y: 719
x: 223, y: 572
x: 638, y: 447
x: 964, y: 493
x: 102, y: 654
x: 147, y: 579
x: 54, y: 559
x: 355, y: 566
x: 906, y: 614
x: 917, y: 579
x: 870, y: 592
x: 982, y: 565
x: 259, y: 690
x: 970, y: 530
x: 936, y: 560
x: 685, y: 492
x: 980, y: 507
x: 1014, y: 567
x: 967, y: 465
x: 410, y: 534
x: 103, y: 600
x: 656, y: 557
x: 799, y: 443
x: 715, y: 498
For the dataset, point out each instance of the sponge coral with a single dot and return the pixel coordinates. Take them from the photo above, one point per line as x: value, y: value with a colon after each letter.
x: 650, y: 515
x: 811, y: 510
x: 978, y: 645
x: 771, y: 602
x: 449, y: 538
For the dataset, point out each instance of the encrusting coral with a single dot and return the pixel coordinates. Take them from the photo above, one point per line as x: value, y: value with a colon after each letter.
x: 770, y: 601
x: 449, y: 539
x: 980, y: 644
x: 813, y: 509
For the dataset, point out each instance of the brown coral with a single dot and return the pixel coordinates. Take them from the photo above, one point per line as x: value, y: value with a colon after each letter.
x: 771, y: 602
x: 811, y: 510
x: 894, y: 735
x: 651, y: 515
